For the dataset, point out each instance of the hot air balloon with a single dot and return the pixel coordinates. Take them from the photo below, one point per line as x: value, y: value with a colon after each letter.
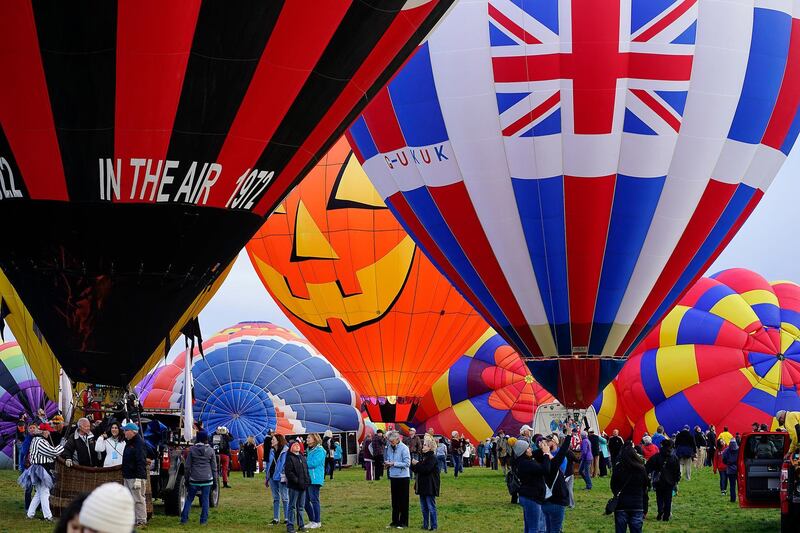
x: 257, y: 377
x: 143, y: 147
x: 728, y: 354
x: 20, y: 394
x: 610, y: 414
x: 572, y: 167
x: 488, y: 389
x: 353, y: 282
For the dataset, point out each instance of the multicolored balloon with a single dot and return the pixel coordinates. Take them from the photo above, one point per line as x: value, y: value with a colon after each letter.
x: 350, y: 278
x: 728, y: 355
x: 20, y: 393
x: 258, y: 377
x: 142, y: 148
x: 610, y: 414
x: 488, y: 389
x: 573, y: 166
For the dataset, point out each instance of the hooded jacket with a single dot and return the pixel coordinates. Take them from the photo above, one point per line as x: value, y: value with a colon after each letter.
x: 315, y: 460
x: 201, y: 463
x: 731, y: 458
x: 296, y: 470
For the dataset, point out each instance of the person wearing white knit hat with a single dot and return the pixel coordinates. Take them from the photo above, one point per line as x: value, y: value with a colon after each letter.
x: 108, y: 509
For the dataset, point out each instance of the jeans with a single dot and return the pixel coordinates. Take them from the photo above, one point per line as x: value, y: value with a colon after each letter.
x: 42, y: 496
x: 553, y: 516
x: 571, y: 490
x: 732, y: 483
x: 629, y: 519
x: 442, y: 461
x: 664, y: 501
x: 583, y: 470
x: 457, y: 463
x: 723, y: 481
x: 399, y: 489
x: 312, y: 503
x: 190, y: 494
x: 428, y: 506
x: 530, y: 514
x: 280, y: 495
x: 297, y: 501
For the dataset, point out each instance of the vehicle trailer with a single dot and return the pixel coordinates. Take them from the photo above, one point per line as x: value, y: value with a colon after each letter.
x: 168, y: 451
x: 767, y: 478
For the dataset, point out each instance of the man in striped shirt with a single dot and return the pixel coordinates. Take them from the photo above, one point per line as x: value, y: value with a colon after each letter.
x: 42, y: 455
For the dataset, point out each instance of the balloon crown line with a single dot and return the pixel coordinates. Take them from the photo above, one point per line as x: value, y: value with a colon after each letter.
x: 383, y: 400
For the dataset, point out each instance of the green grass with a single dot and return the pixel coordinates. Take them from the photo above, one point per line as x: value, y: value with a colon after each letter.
x: 475, y: 502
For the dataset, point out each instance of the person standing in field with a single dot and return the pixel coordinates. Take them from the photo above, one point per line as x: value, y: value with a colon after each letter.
x: 731, y: 458
x: 428, y: 483
x: 586, y: 460
x: 315, y: 459
x: 700, y: 447
x: 200, y: 466
x: 276, y: 479
x: 629, y: 482
x: 441, y: 455
x: 42, y: 455
x: 398, y: 462
x: 665, y: 473
x: 134, y: 470
x: 248, y: 457
x: 297, y: 481
x: 615, y: 444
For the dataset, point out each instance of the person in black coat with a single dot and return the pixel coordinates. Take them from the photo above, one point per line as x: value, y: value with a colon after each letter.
x: 248, y: 456
x: 79, y: 447
x: 557, y: 494
x: 297, y: 481
x: 531, y: 473
x: 134, y: 470
x: 615, y: 444
x: 686, y: 450
x: 427, y: 483
x: 665, y: 473
x: 629, y: 482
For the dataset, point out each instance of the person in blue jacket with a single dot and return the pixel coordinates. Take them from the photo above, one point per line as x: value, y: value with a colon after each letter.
x: 276, y: 480
x: 397, y: 458
x: 337, y: 455
x: 315, y: 458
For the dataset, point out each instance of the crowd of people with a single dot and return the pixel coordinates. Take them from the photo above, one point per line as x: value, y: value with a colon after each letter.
x: 539, y: 470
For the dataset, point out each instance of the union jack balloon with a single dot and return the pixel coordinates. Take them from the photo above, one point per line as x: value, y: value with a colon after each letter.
x: 573, y: 166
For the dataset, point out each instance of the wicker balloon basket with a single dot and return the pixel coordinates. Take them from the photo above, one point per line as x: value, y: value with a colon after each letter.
x: 71, y: 482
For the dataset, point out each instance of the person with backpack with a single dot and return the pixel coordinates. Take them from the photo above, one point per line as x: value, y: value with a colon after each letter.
x: 530, y: 475
x: 665, y: 473
x: 629, y: 484
x: 730, y: 457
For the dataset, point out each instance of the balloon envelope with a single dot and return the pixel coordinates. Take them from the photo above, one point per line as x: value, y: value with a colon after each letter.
x: 141, y: 148
x: 573, y: 166
x: 487, y: 389
x: 20, y: 393
x: 354, y: 283
x: 728, y: 354
x: 610, y: 413
x: 257, y: 377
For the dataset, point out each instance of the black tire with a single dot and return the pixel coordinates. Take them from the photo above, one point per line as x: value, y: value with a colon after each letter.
x: 175, y: 498
x: 213, y: 497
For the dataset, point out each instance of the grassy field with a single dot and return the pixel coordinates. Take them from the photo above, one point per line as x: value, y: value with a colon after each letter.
x: 475, y: 502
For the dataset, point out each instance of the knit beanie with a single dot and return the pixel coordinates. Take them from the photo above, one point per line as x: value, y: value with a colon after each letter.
x: 108, y: 509
x: 520, y: 446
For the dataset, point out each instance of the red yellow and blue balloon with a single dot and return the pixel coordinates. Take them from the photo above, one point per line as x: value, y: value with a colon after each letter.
x: 728, y: 354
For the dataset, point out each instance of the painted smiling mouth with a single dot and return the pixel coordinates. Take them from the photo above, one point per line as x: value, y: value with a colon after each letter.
x: 382, y: 283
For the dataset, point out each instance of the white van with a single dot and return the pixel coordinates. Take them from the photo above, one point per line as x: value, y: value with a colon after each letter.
x: 550, y: 417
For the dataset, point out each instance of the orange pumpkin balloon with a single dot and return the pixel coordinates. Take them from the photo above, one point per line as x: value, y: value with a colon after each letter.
x: 356, y: 285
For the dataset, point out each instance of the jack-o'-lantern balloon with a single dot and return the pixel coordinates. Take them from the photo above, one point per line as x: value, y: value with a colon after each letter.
x: 356, y: 285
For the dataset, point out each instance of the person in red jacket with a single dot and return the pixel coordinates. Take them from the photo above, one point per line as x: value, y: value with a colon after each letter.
x: 720, y: 467
x: 648, y: 448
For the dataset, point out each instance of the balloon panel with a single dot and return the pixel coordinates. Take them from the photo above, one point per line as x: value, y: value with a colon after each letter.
x: 353, y: 282
x: 572, y: 167
x: 158, y: 136
x: 20, y: 393
x: 610, y: 414
x: 726, y: 355
x: 487, y: 389
x: 257, y: 377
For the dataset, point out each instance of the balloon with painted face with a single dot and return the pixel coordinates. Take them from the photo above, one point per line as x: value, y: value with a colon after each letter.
x: 356, y: 285
x: 573, y: 166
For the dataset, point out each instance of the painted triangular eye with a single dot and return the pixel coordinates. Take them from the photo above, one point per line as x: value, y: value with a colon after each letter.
x: 352, y: 188
x: 281, y: 209
x: 309, y: 241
